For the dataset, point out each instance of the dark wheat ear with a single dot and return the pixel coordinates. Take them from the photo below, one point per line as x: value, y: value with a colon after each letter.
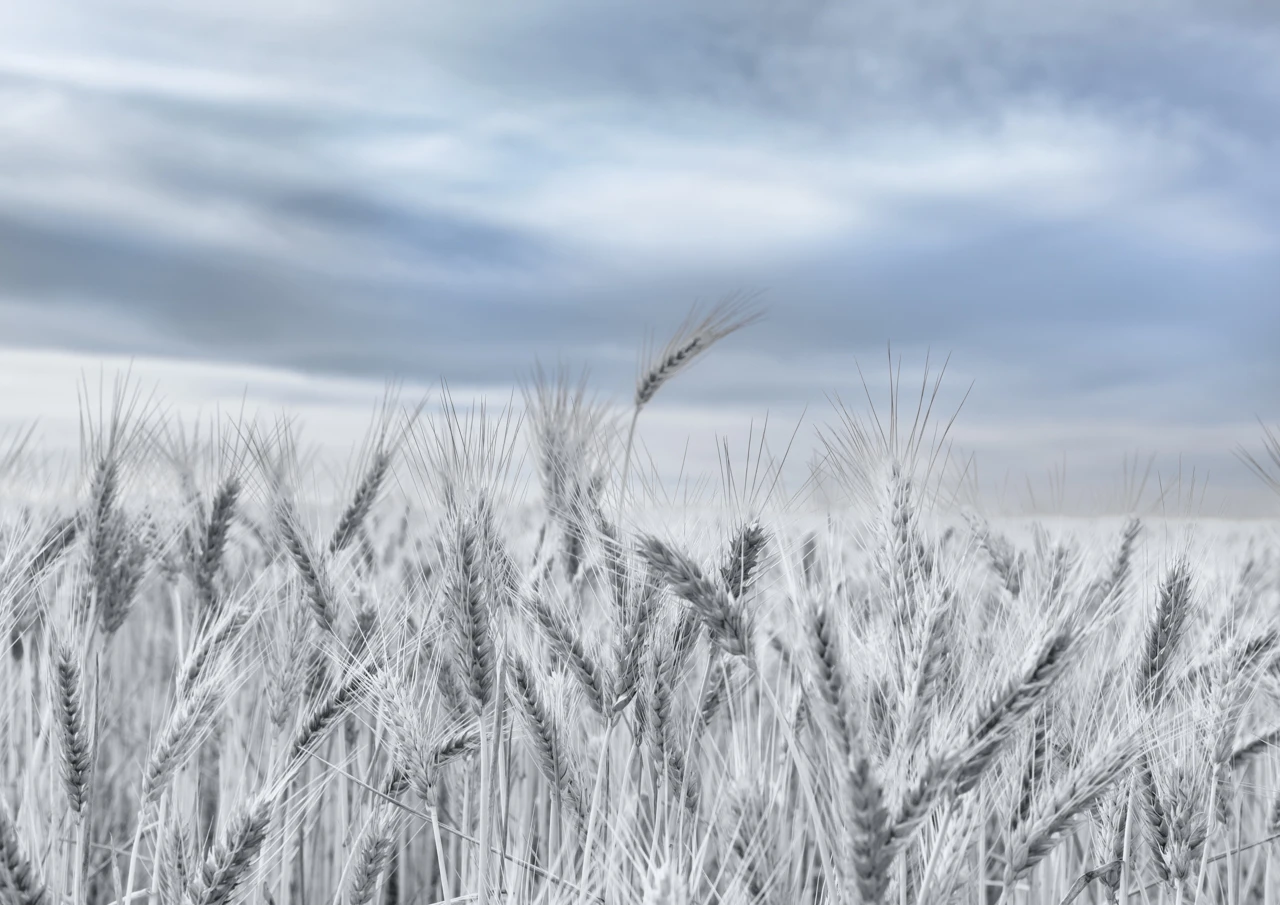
x: 727, y: 620
x: 1165, y: 633
x: 232, y: 858
x: 745, y: 550
x: 376, y: 848
x: 213, y: 542
x: 75, y: 730
x: 1054, y: 819
x: 20, y: 871
x: 319, y: 596
x: 696, y: 335
x: 362, y: 502
x: 995, y: 722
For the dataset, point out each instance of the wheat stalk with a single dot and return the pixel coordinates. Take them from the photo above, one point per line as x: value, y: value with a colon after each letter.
x: 19, y: 871
x: 74, y: 730
x: 1164, y: 635
x: 583, y: 664
x: 545, y: 736
x: 375, y: 850
x: 692, y: 339
x: 362, y: 502
x: 728, y: 621
x: 319, y: 595
x: 214, y: 541
x: 1069, y: 802
x: 189, y: 721
x: 232, y: 859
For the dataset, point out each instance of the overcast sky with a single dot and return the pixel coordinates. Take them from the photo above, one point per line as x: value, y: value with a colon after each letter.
x: 1079, y: 202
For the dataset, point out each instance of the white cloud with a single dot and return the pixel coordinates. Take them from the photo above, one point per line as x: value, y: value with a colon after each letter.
x: 629, y: 186
x: 681, y: 216
x: 156, y: 79
x: 42, y: 386
x: 695, y: 199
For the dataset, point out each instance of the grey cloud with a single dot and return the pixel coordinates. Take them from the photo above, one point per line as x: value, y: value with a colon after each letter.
x: 228, y: 305
x: 238, y: 308
x: 1076, y: 316
x: 840, y: 65
x: 186, y: 149
x: 1073, y: 314
x: 851, y: 64
x: 410, y: 230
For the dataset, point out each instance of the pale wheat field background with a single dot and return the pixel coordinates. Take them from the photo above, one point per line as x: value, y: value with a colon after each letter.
x: 502, y: 668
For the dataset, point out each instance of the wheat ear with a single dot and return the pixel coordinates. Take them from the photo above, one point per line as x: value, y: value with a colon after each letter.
x: 829, y: 676
x: 995, y: 722
x: 727, y: 620
x: 212, y: 645
x: 871, y: 853
x: 1074, y: 797
x: 745, y: 551
x: 214, y: 542
x: 584, y: 664
x: 74, y: 730
x: 366, y: 495
x: 318, y: 594
x: 694, y: 337
x: 375, y: 851
x: 19, y: 869
x: 473, y: 613
x: 545, y: 736
x: 232, y: 859
x: 188, y: 722
x: 1167, y: 628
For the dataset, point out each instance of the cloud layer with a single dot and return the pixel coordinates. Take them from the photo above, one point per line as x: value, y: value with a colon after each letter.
x: 1078, y: 203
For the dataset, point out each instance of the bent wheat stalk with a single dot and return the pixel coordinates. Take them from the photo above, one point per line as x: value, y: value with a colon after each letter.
x: 694, y: 337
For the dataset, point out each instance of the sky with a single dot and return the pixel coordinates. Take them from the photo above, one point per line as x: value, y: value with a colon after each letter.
x: 1077, y: 202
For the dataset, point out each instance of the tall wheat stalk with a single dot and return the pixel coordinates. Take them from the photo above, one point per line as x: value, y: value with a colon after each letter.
x: 698, y: 333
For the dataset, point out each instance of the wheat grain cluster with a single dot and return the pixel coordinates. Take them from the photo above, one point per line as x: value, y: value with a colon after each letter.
x: 465, y: 685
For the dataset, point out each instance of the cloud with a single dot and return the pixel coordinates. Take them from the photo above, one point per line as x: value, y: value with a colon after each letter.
x: 1079, y: 201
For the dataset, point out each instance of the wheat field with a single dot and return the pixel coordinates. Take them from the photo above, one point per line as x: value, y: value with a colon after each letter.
x: 217, y: 688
